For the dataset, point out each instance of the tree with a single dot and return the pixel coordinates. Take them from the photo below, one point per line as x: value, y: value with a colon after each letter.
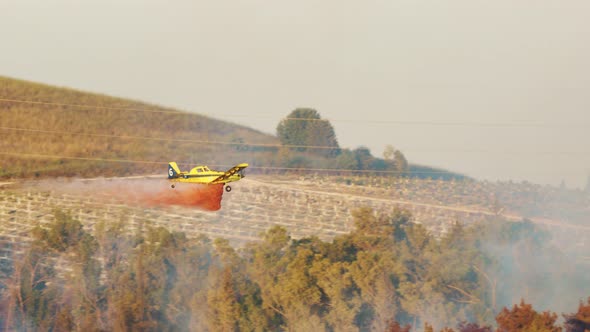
x: 388, y: 152
x: 30, y: 297
x: 64, y: 232
x: 395, y: 158
x: 472, y: 327
x: 66, y: 235
x: 266, y: 262
x: 524, y: 318
x: 363, y: 157
x: 223, y: 306
x: 376, y: 269
x: 374, y: 272
x: 394, y: 326
x: 347, y: 160
x: 579, y: 321
x: 304, y: 127
x: 235, y: 303
x: 401, y: 164
x: 187, y: 308
x: 84, y: 284
x: 340, y: 294
x: 297, y: 294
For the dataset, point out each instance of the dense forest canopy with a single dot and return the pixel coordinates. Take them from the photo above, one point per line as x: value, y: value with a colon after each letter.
x: 387, y: 273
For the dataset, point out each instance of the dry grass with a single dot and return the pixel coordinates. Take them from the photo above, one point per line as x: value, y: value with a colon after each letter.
x: 76, y: 123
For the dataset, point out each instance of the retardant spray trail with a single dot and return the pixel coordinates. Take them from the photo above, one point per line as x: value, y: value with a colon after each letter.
x: 145, y: 192
x: 207, y: 197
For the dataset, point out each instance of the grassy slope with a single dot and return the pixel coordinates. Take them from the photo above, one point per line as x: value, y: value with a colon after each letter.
x: 74, y: 120
x: 117, y: 117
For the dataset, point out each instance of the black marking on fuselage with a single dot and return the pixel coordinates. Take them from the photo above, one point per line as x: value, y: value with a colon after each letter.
x: 198, y: 175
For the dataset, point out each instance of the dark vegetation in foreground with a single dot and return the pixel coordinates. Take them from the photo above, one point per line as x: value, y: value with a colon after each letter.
x: 386, y: 275
x: 66, y: 132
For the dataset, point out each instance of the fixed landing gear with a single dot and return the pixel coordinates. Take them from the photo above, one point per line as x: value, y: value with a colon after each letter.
x: 227, y: 188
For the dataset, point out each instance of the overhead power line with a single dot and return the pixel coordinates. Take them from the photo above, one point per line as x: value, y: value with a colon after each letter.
x: 45, y: 103
x: 60, y: 132
x: 519, y: 124
x: 267, y: 145
x: 184, y: 163
x: 52, y: 156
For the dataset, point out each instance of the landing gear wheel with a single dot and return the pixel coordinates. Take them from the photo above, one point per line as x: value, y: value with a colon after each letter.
x: 172, y: 186
x: 227, y: 188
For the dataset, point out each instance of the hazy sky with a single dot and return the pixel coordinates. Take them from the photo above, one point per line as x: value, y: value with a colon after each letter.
x: 495, y: 89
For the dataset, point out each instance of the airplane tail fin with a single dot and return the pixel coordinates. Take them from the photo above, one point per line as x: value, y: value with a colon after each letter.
x: 173, y: 170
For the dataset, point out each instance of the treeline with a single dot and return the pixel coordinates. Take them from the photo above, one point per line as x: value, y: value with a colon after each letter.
x: 313, y: 144
x: 386, y: 275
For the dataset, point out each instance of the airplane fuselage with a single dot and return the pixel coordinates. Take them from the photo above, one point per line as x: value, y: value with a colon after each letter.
x: 202, y: 174
x: 206, y: 177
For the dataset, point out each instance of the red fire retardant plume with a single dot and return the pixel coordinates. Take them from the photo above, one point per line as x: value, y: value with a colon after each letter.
x: 144, y: 192
x: 206, y: 197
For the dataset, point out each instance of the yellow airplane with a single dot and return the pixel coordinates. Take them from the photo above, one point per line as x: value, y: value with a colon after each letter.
x: 202, y: 174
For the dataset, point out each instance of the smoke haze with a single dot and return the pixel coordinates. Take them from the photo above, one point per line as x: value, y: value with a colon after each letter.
x: 363, y: 65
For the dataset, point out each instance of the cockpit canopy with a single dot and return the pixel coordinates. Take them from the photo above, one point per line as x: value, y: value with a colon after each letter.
x: 200, y: 169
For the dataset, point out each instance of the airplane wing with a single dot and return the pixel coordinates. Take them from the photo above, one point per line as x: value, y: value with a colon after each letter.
x: 223, y: 178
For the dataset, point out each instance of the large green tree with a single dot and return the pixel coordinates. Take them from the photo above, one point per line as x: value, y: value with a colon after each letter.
x: 305, y: 128
x: 389, y: 269
x: 396, y: 158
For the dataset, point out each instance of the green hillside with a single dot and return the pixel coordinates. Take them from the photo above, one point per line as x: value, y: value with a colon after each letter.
x: 51, y: 131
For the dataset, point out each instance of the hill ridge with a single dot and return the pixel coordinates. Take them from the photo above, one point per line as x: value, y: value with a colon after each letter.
x: 72, y: 111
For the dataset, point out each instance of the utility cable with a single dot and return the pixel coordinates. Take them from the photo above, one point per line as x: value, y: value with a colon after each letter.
x: 252, y: 116
x: 51, y: 156
x: 267, y: 145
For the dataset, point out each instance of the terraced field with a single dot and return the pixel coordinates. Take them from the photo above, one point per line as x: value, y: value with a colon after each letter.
x: 305, y: 206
